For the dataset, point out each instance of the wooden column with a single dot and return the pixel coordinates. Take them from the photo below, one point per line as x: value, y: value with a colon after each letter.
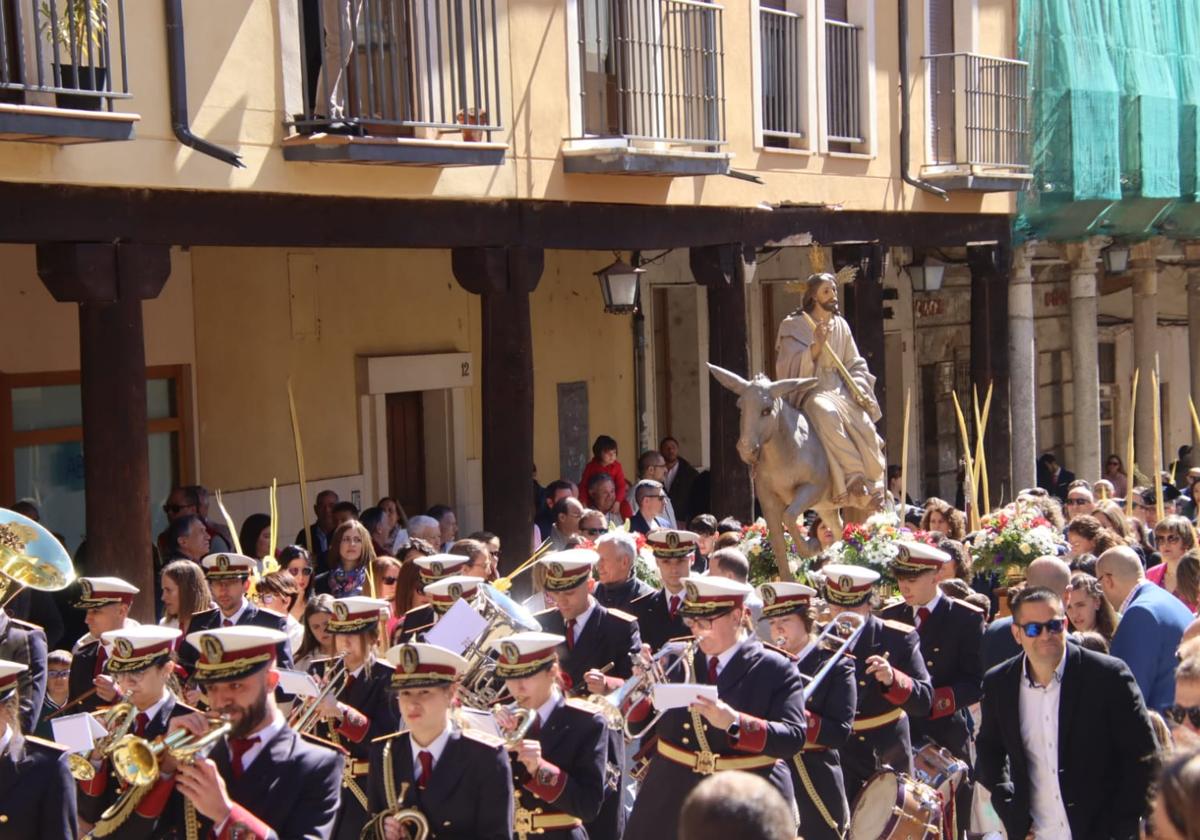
x: 504, y: 278
x: 990, y: 264
x: 109, y: 282
x: 722, y: 271
x: 862, y: 307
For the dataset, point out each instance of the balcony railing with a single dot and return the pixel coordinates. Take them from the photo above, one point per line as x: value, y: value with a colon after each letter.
x: 979, y: 111
x: 63, y: 53
x: 843, y: 81
x: 400, y: 67
x: 653, y: 70
x: 781, y: 39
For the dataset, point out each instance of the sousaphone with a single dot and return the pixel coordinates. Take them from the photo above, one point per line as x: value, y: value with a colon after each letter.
x: 30, y: 556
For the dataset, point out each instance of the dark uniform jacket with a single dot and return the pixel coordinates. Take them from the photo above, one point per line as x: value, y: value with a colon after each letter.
x: 415, y: 621
x: 950, y: 645
x: 829, y: 715
x: 86, y: 665
x: 26, y: 643
x: 254, y: 615
x: 369, y: 693
x: 571, y: 777
x: 469, y: 796
x: 621, y: 595
x: 764, y: 687
x: 37, y: 792
x: 290, y: 791
x: 102, y: 791
x: 1106, y: 748
x: 654, y: 619
x: 890, y: 744
x: 610, y: 638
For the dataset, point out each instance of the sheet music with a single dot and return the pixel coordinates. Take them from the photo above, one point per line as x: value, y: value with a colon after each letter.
x: 79, y: 732
x: 459, y: 627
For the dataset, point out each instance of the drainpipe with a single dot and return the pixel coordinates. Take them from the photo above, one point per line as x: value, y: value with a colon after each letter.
x: 177, y: 70
x: 905, y: 116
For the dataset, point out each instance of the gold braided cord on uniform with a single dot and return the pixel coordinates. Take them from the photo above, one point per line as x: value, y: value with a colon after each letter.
x: 348, y: 771
x: 389, y: 777
x: 115, y: 815
x: 191, y: 822
x: 811, y: 790
x: 223, y: 669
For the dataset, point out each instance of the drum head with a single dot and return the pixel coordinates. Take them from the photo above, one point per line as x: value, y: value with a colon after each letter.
x: 872, y: 817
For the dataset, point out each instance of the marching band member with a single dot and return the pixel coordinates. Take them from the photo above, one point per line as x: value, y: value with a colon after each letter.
x: 817, y: 769
x: 659, y: 614
x: 459, y: 779
x: 362, y: 710
x: 229, y: 579
x: 262, y: 780
x: 106, y: 602
x: 37, y: 792
x: 892, y: 681
x: 431, y: 569
x: 560, y: 764
x: 951, y: 632
x: 141, y: 665
x: 597, y: 657
x: 757, y: 719
x: 25, y: 643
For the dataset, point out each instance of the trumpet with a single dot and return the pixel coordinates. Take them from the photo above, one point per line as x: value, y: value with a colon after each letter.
x: 413, y: 823
x: 844, y: 630
x: 525, y: 719
x: 136, y: 760
x: 118, y: 719
x: 305, y: 715
x: 616, y: 706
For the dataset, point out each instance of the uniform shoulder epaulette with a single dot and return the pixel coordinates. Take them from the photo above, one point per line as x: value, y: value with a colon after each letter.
x: 778, y: 650
x: 383, y: 666
x: 640, y: 598
x: 421, y: 608
x: 91, y: 643
x: 46, y: 744
x: 483, y: 737
x: 899, y: 625
x: 389, y: 736
x: 892, y: 602
x: 583, y: 705
x: 546, y: 611
x: 272, y: 612
x: 321, y: 742
x: 968, y: 605
x: 182, y: 708
x: 621, y: 614
x: 26, y: 625
x: 681, y: 639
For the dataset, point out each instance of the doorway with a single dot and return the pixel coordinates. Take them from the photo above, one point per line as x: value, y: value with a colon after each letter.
x: 406, y: 450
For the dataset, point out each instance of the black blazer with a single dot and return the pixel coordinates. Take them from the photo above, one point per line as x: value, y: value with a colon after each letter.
x: 681, y: 492
x: 83, y: 672
x: 26, y: 643
x: 901, y: 645
x: 654, y: 619
x: 639, y: 524
x: 574, y: 743
x: 259, y: 617
x: 609, y: 637
x: 37, y: 792
x: 414, y: 623
x: 470, y: 796
x: 369, y: 693
x: 998, y: 644
x: 1106, y: 750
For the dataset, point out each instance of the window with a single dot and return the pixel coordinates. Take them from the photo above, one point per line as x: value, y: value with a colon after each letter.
x: 847, y: 46
x: 784, y: 74
x: 41, y: 444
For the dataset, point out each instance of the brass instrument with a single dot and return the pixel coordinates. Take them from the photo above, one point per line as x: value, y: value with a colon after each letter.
x: 843, y: 630
x: 135, y: 760
x: 412, y: 822
x: 480, y: 688
x: 306, y: 714
x: 118, y: 719
x: 30, y: 556
x: 525, y: 719
x: 616, y: 706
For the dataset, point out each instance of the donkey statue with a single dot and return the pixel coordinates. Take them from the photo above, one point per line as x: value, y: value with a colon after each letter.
x: 787, y: 461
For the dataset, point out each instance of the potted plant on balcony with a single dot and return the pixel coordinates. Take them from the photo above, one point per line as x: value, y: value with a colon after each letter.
x: 78, y: 28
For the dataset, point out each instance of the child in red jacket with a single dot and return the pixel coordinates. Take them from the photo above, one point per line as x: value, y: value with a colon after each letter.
x: 604, y: 460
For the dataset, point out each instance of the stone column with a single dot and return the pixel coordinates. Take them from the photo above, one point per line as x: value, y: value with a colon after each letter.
x: 504, y: 278
x: 1191, y: 251
x: 1085, y: 372
x: 1022, y: 364
x: 1145, y: 349
x: 721, y: 270
x: 109, y: 283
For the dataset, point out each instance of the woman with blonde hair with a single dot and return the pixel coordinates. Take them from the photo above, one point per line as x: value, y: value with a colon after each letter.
x: 350, y: 556
x: 1179, y: 573
x: 1088, y: 609
x: 941, y: 516
x: 184, y: 593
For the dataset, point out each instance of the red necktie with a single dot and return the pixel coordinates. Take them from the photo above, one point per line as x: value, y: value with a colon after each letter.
x: 712, y: 670
x: 139, y: 724
x: 426, y: 759
x: 237, y: 749
x: 570, y: 634
x: 674, y: 608
x: 227, y: 623
x: 101, y: 658
x: 922, y: 617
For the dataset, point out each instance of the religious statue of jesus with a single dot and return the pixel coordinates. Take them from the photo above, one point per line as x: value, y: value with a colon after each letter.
x: 815, y: 341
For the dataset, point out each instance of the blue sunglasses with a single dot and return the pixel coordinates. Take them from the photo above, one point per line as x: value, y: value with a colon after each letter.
x: 1034, y: 628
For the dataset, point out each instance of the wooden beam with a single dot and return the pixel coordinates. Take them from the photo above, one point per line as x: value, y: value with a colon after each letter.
x: 990, y: 264
x: 721, y: 270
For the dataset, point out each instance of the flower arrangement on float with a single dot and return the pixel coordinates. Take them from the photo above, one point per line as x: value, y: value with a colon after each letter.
x: 873, y: 544
x: 755, y: 543
x: 1012, y: 538
x: 645, y: 568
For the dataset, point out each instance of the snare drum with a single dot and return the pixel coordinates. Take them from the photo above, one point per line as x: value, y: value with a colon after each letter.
x: 894, y: 807
x: 936, y: 767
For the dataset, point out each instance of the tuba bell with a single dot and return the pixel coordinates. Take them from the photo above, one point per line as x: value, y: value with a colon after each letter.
x: 479, y: 687
x: 30, y: 556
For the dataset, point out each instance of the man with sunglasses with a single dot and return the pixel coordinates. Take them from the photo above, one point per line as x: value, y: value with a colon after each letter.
x: 1151, y: 626
x: 1080, y: 501
x: 1066, y: 747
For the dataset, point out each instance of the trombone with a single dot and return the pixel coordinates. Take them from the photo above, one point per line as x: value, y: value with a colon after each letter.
x: 844, y: 630
x: 305, y: 715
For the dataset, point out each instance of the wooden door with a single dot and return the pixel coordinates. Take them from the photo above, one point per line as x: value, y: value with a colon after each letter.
x: 406, y: 451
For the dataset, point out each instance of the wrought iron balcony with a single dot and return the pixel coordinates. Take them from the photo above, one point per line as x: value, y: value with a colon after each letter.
x: 652, y: 77
x: 979, y: 119
x: 843, y: 82
x: 781, y: 42
x: 62, y: 68
x: 399, y: 81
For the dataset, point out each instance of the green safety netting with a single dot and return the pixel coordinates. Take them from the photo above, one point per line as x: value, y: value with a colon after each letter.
x: 1188, y: 85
